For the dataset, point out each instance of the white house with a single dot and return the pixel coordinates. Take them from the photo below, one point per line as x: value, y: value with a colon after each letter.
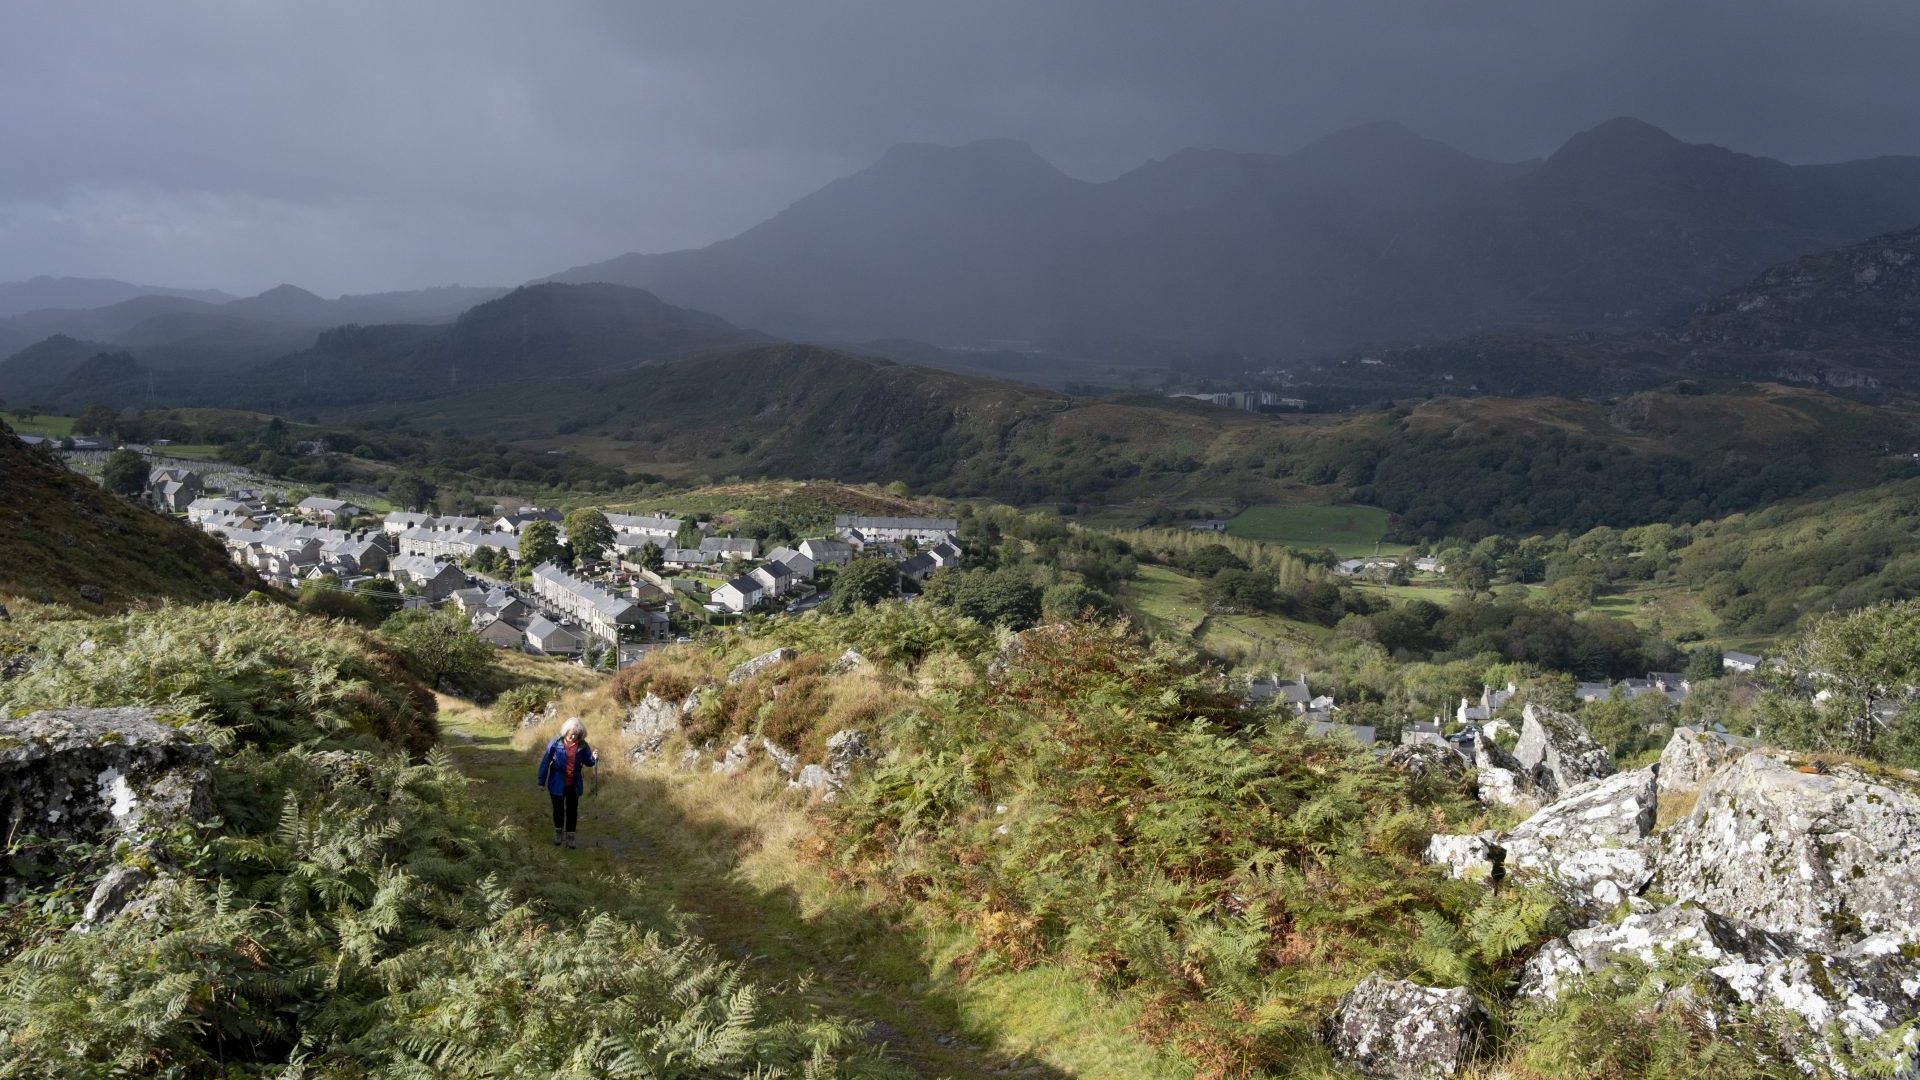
x: 730, y: 547
x: 739, y: 594
x: 597, y: 610
x: 775, y: 576
x: 797, y: 564
x: 546, y: 636
x: 1740, y: 661
x: 827, y: 552
x: 435, y: 580
x: 929, y: 530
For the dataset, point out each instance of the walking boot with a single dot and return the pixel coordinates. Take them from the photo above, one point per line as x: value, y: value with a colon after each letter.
x: 557, y: 835
x: 573, y: 841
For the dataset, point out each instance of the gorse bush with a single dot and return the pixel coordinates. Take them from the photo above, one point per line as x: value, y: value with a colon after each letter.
x: 349, y: 912
x: 269, y: 675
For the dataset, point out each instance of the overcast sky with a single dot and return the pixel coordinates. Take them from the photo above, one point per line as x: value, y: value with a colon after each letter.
x: 349, y: 146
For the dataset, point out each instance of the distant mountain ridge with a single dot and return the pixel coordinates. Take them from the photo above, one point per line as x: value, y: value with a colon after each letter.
x: 543, y: 331
x: 74, y: 292
x: 1369, y: 235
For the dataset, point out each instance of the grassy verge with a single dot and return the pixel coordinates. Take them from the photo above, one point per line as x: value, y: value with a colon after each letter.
x: 54, y: 427
x: 731, y: 853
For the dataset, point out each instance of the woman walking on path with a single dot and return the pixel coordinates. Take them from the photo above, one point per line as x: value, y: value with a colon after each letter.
x: 563, y: 772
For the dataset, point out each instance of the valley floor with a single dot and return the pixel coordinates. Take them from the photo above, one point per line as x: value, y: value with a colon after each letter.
x: 727, y: 854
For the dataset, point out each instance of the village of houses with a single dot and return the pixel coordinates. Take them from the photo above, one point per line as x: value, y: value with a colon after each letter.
x: 611, y: 615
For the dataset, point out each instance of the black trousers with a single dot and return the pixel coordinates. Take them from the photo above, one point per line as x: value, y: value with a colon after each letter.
x: 566, y: 810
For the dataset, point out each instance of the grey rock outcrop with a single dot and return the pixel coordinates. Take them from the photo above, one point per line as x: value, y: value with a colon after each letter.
x: 785, y: 760
x: 1468, y: 856
x: 851, y: 660
x: 1846, y: 999
x: 1591, y: 845
x: 758, y: 664
x: 92, y: 594
x: 1556, y: 754
x: 96, y: 774
x: 649, y: 724
x: 113, y: 893
x: 1693, y: 756
x: 845, y: 749
x: 1393, y: 1028
x: 1824, y: 860
x: 736, y: 757
x: 1681, y: 928
x: 1500, y: 779
x: 1422, y: 760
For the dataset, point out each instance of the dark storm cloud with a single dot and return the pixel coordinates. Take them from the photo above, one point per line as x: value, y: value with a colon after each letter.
x: 366, y: 146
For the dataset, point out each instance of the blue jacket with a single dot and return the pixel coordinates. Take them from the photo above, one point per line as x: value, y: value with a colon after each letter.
x: 553, y: 768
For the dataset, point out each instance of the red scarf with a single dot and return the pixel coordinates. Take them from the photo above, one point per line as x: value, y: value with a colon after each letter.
x: 572, y: 749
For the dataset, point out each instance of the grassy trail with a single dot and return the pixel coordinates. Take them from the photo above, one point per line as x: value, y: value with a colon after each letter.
x: 726, y: 858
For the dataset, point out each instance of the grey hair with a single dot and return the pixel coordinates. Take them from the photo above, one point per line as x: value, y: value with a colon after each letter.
x: 573, y: 725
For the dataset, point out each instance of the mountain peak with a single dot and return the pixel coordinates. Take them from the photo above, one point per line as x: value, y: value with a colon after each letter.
x: 284, y: 291
x: 1623, y: 136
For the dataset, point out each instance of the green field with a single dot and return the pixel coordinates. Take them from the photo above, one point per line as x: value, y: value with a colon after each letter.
x: 57, y: 427
x: 1173, y: 605
x: 1344, y: 530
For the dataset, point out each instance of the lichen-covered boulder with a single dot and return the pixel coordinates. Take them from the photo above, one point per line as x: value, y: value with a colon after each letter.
x: 1591, y: 844
x: 1826, y: 1010
x: 845, y: 749
x: 1556, y: 754
x: 758, y: 664
x: 1469, y: 856
x: 1499, y: 778
x: 1693, y: 756
x: 1681, y: 929
x: 1394, y: 1028
x: 851, y: 660
x: 100, y: 774
x: 1423, y: 760
x: 1824, y: 860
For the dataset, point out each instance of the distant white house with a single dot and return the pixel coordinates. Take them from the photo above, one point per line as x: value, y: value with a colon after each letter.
x: 928, y: 530
x: 774, y: 576
x: 740, y: 594
x: 730, y: 547
x: 401, y: 521
x: 546, y: 636
x: 684, y: 558
x: 435, y: 580
x: 799, y: 565
x: 1740, y: 661
x: 827, y: 552
x: 1490, y: 702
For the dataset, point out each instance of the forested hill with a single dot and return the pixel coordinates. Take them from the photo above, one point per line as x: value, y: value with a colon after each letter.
x: 60, y: 532
x: 1449, y: 466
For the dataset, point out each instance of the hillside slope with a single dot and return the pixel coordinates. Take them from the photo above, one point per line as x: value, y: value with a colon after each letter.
x: 60, y: 531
